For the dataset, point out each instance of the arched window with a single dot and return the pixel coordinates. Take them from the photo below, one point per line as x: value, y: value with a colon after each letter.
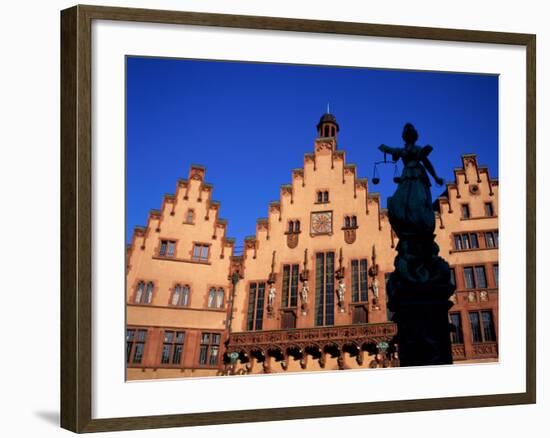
x: 144, y: 293
x: 220, y: 298
x: 297, y: 226
x: 149, y: 293
x: 325, y: 196
x: 319, y: 197
x: 180, y: 297
x: 354, y: 221
x: 190, y: 216
x: 139, y: 292
x: 212, y: 297
x: 290, y: 226
x: 347, y: 222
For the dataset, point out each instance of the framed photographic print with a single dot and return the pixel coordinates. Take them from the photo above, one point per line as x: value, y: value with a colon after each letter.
x: 268, y: 218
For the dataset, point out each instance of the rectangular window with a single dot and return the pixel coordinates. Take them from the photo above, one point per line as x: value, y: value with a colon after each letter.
x: 255, y: 314
x: 324, y: 288
x: 167, y: 248
x: 465, y: 211
x: 475, y: 277
x: 458, y: 242
x: 489, y: 209
x: 466, y: 241
x: 488, y: 326
x: 359, y: 285
x: 456, y: 333
x: 200, y: 252
x: 481, y: 278
x: 476, y: 327
x: 491, y: 239
x: 495, y: 274
x: 453, y: 278
x: 135, y: 345
x: 469, y: 282
x: 172, y: 347
x: 209, y: 349
x: 290, y: 285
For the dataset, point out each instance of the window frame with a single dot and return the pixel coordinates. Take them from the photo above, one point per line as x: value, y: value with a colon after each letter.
x: 255, y: 305
x: 147, y: 294
x: 324, y: 315
x: 201, y: 246
x: 181, y: 303
x: 482, y: 328
x: 131, y: 352
x: 289, y: 285
x: 474, y: 269
x: 457, y: 333
x: 208, y: 350
x: 172, y: 345
x: 169, y: 248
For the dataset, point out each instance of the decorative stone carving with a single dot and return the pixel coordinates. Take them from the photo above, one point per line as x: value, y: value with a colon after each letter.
x: 471, y: 297
x: 483, y: 296
x: 474, y: 189
x: 292, y: 240
x: 321, y: 145
x: 350, y: 235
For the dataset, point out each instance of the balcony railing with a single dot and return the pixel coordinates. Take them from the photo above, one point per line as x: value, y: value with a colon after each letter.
x: 316, y: 337
x: 485, y: 350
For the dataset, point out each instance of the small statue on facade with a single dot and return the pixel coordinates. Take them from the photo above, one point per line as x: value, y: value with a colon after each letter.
x: 375, y: 287
x: 341, y: 293
x: 271, y: 296
x: 304, y: 292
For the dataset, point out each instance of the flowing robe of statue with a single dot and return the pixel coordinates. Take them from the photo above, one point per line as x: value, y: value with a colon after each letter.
x: 410, y: 208
x: 420, y: 286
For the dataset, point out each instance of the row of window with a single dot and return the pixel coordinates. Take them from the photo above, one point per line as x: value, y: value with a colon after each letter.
x: 324, y: 293
x: 475, y: 277
x: 488, y: 207
x: 349, y: 222
x: 482, y: 327
x: 172, y: 347
x: 180, y: 296
x: 467, y: 241
x: 200, y: 250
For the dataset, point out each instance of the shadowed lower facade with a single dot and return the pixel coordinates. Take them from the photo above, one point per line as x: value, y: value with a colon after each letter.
x: 307, y: 291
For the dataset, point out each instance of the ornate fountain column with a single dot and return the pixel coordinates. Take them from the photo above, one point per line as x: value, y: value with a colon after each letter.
x: 420, y: 286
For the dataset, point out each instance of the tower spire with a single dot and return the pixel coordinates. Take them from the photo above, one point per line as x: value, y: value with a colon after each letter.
x: 328, y: 108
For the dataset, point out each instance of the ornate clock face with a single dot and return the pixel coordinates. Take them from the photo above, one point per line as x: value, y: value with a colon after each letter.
x: 321, y: 222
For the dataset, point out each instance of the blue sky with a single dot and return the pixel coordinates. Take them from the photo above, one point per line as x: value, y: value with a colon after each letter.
x: 250, y: 124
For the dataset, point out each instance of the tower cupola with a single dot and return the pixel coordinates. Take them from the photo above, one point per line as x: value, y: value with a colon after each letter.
x: 327, y: 126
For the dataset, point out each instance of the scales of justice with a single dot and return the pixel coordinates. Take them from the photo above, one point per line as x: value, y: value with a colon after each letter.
x: 420, y: 286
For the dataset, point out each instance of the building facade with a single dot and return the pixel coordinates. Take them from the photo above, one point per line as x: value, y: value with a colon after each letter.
x: 308, y: 291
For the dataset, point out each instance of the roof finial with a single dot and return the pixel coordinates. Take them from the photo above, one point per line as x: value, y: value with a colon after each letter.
x: 328, y: 108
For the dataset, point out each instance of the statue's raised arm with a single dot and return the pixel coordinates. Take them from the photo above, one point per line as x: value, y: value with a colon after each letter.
x: 428, y: 164
x: 395, y: 152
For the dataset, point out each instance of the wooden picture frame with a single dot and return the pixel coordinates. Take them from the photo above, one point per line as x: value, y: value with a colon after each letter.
x: 76, y: 217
